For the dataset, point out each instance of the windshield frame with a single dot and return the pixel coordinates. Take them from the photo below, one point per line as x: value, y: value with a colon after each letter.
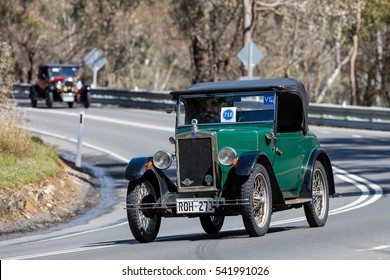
x: 236, y: 97
x: 62, y: 71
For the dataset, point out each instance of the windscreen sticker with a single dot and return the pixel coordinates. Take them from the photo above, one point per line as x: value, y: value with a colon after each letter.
x: 228, y: 114
x: 269, y: 99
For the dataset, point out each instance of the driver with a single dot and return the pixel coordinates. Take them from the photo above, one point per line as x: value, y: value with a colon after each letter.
x: 212, y: 113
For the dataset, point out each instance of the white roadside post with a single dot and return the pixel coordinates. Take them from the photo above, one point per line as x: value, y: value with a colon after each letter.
x: 80, y: 139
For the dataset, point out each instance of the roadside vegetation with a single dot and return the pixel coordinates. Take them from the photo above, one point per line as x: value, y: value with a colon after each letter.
x: 339, y: 49
x: 23, y: 159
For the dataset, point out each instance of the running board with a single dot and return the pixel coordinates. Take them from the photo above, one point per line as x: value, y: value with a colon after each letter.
x: 297, y: 201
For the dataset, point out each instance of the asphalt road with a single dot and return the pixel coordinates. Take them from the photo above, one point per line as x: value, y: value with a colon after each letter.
x: 358, y: 226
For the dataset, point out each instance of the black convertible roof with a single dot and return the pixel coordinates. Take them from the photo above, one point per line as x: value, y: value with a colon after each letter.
x: 53, y: 65
x: 279, y: 85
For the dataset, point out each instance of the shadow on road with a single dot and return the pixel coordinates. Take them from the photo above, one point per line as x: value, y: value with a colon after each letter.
x: 227, y: 234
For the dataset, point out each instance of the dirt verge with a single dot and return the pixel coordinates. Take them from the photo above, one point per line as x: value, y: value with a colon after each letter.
x: 52, y: 201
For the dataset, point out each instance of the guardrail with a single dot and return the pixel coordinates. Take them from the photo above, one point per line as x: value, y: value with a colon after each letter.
x: 374, y: 118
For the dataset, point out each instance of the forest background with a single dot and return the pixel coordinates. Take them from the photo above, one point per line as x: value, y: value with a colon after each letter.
x: 339, y: 49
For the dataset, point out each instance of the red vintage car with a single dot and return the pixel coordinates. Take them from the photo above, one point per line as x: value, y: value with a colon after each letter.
x: 58, y: 83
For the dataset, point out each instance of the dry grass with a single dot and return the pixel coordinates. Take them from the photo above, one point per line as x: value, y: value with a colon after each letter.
x: 23, y: 158
x: 13, y: 139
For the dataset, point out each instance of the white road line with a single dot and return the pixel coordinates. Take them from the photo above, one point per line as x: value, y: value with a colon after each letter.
x: 73, y: 140
x: 61, y: 252
x: 356, y: 136
x: 109, y: 120
x: 377, y: 248
x: 81, y: 233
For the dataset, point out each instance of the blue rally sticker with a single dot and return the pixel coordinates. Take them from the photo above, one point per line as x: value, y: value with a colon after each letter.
x: 228, y: 114
x: 269, y: 99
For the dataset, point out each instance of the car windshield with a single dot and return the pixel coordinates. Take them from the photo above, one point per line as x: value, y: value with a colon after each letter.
x: 226, y: 108
x: 62, y: 71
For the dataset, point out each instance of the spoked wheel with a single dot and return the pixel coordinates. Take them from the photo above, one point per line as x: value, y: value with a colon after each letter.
x: 317, y: 210
x: 143, y: 220
x: 256, y: 193
x: 212, y: 224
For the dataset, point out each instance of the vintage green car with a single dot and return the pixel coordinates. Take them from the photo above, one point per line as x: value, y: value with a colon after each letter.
x: 241, y: 148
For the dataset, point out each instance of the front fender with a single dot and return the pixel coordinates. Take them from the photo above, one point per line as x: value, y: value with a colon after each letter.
x: 136, y: 168
x: 245, y: 165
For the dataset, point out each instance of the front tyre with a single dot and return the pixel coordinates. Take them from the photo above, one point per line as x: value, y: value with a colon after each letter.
x: 34, y: 96
x: 212, y: 224
x: 86, y: 105
x: 87, y: 100
x: 34, y: 103
x: 317, y: 210
x: 144, y: 222
x: 257, y: 196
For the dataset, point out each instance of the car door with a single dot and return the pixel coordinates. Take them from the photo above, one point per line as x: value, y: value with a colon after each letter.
x: 289, y: 144
x: 288, y: 161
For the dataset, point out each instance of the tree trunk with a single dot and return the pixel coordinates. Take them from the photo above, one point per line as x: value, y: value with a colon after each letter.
x: 247, y: 5
x: 201, y: 47
x: 354, y: 98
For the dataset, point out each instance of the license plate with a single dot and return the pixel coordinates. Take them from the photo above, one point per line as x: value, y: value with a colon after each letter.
x: 68, y: 98
x: 194, y: 205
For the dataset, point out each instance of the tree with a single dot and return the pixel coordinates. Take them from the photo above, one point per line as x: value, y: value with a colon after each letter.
x: 338, y: 48
x: 214, y: 30
x: 5, y: 76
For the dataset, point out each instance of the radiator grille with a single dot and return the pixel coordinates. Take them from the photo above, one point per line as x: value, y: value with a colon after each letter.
x: 195, y: 162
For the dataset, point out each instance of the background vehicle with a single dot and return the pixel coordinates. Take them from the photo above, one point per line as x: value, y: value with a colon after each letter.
x: 58, y: 83
x: 241, y: 148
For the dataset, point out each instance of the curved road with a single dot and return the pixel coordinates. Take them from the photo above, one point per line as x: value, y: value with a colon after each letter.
x: 358, y: 226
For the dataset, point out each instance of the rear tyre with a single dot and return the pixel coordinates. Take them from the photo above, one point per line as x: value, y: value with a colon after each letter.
x: 212, y: 224
x: 144, y: 222
x: 316, y: 211
x: 257, y: 196
x: 70, y: 104
x: 49, y: 99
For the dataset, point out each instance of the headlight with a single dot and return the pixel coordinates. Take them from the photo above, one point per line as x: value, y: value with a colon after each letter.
x: 58, y: 85
x: 227, y: 156
x: 162, y: 159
